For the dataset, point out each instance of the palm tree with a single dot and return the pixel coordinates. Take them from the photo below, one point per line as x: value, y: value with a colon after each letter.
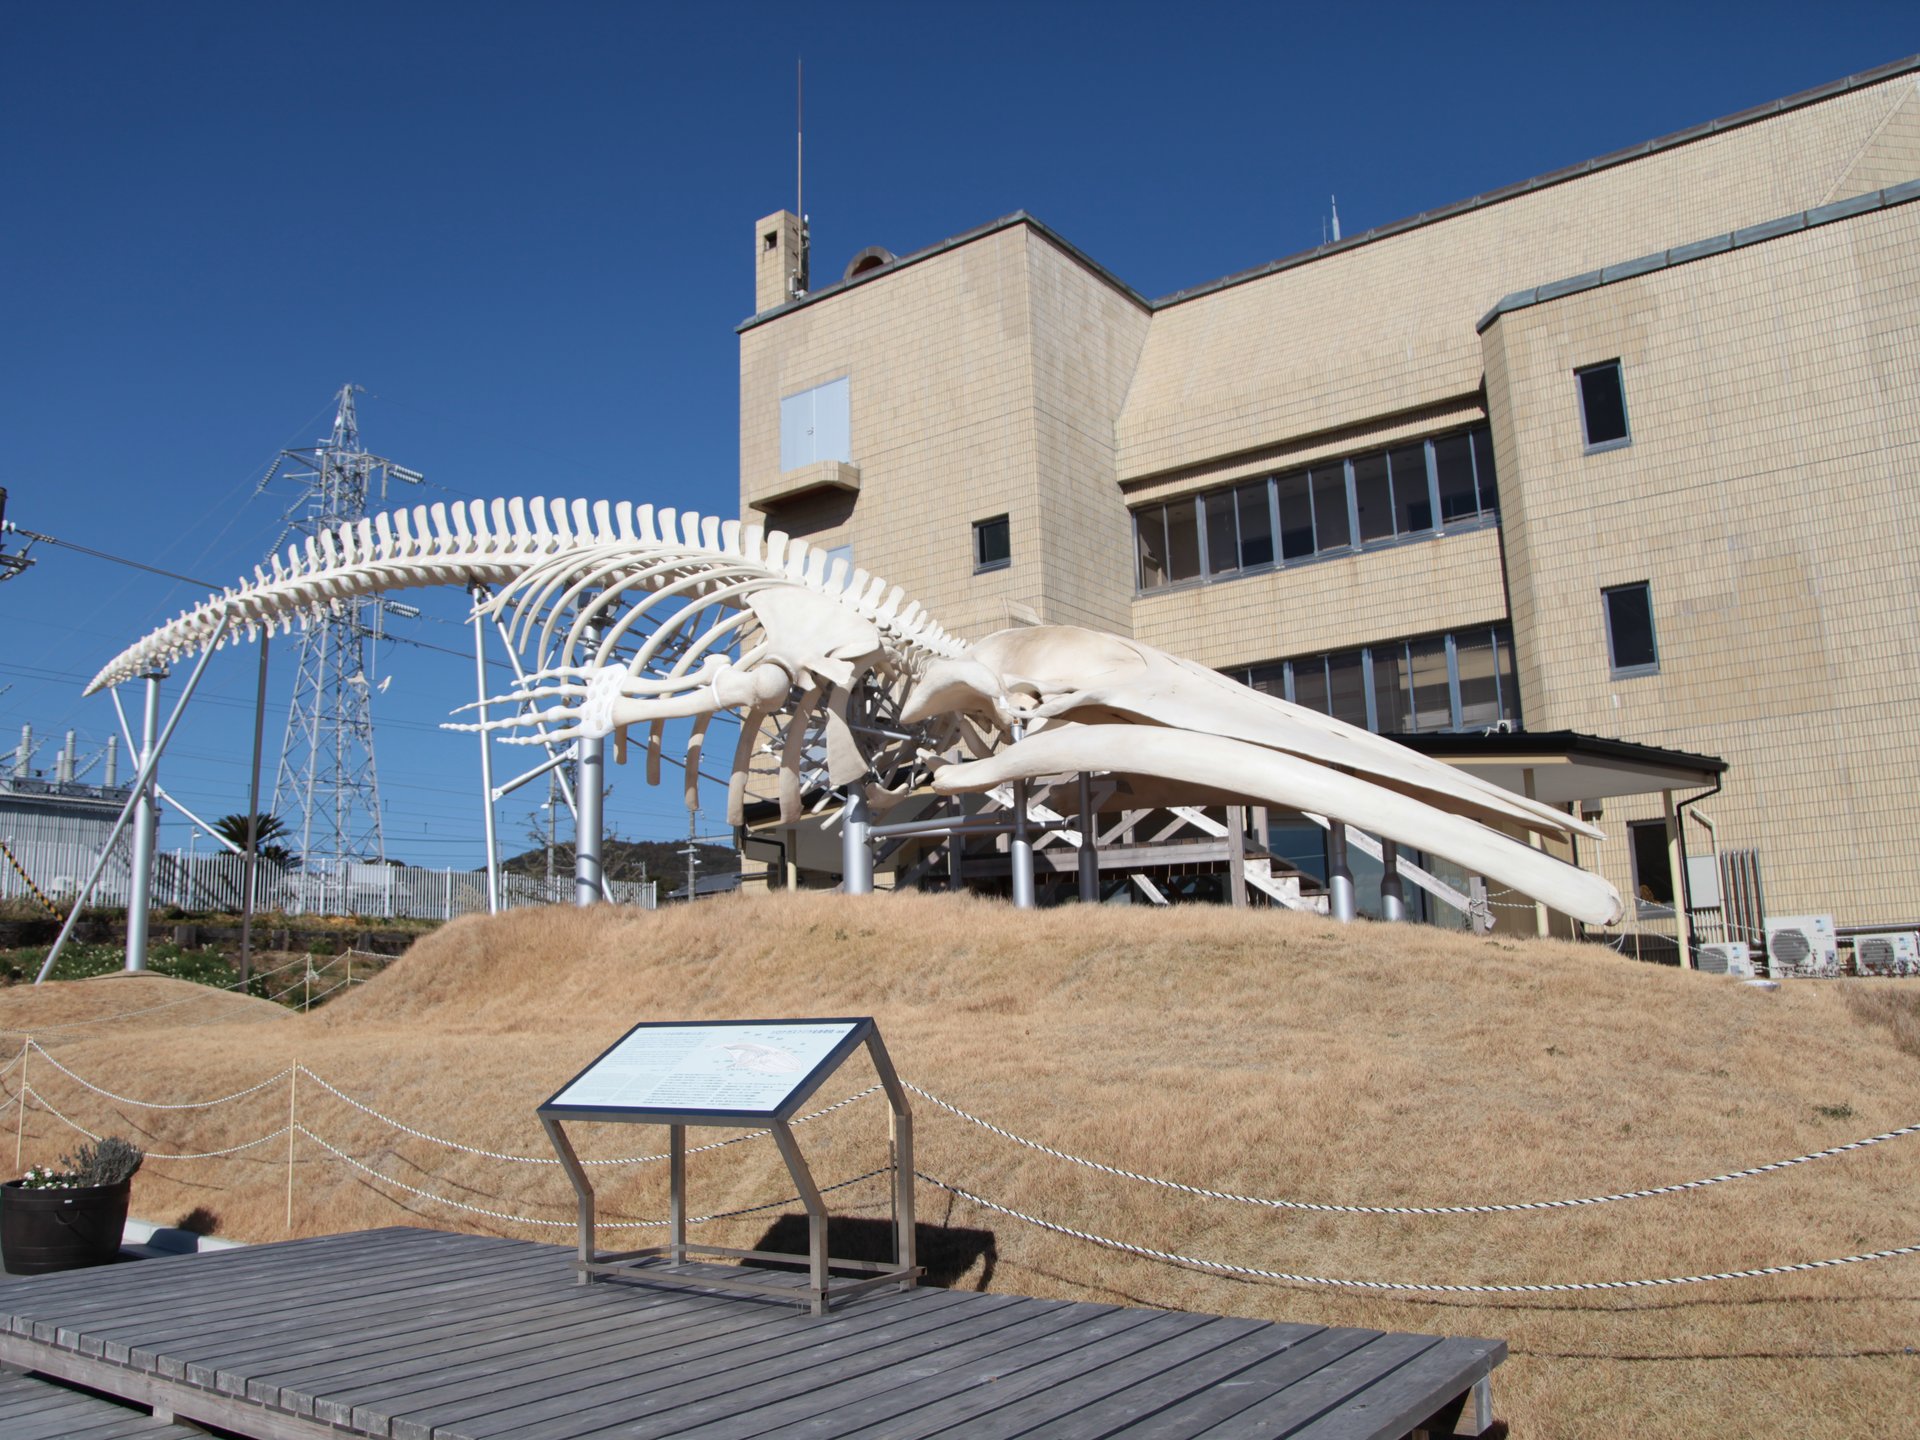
x: 267, y: 830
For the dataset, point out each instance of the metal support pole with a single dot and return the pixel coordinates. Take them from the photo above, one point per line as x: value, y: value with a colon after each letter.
x: 677, y: 1190
x: 856, y: 851
x: 146, y: 819
x: 486, y: 752
x: 1340, y: 898
x: 1677, y: 878
x: 1022, y: 850
x: 1393, y: 892
x: 590, y: 793
x: 1089, y: 844
x: 253, y: 818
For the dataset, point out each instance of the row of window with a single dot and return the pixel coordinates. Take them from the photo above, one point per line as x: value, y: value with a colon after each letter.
x: 1330, y: 507
x: 1460, y: 680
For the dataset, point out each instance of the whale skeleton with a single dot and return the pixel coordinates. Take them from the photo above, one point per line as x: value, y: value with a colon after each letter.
x: 638, y: 617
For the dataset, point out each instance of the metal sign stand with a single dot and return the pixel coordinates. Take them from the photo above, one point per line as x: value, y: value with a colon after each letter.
x: 653, y: 1263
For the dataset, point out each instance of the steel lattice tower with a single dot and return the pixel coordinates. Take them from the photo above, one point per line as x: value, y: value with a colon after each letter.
x: 327, y: 790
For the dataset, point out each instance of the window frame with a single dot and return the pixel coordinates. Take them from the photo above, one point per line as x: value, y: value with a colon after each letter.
x: 1644, y: 908
x: 982, y: 566
x: 1620, y: 442
x: 1615, y: 670
x: 842, y: 388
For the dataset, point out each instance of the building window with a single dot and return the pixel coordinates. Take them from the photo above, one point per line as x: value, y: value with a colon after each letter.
x: 814, y: 426
x: 1652, y: 874
x: 992, y: 545
x: 1462, y: 680
x: 1603, y: 407
x: 1630, y: 641
x: 1381, y: 497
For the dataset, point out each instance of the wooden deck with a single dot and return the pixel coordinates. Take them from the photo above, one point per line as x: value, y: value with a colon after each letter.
x: 33, y: 1409
x: 421, y: 1335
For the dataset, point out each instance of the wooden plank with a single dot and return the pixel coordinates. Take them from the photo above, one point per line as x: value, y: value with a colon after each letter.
x: 1399, y: 1401
x: 1326, y: 1389
x: 1256, y: 1383
x: 708, y: 1373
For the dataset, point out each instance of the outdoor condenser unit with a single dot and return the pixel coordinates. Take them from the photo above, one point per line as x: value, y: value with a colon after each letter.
x: 1887, y: 952
x: 1730, y: 958
x: 1801, y: 945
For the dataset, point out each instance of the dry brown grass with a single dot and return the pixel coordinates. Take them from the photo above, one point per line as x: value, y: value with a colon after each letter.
x: 1269, y: 1054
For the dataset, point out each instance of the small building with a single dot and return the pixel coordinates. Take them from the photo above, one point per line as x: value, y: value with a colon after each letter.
x: 1625, y: 451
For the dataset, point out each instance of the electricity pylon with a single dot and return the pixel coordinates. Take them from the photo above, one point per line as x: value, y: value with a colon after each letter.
x: 327, y: 790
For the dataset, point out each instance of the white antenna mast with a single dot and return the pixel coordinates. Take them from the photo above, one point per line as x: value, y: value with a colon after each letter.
x: 798, y: 281
x: 1335, y: 201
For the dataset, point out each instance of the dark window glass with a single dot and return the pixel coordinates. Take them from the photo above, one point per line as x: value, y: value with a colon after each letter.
x: 1223, y: 544
x: 1432, y: 691
x: 1296, y: 516
x: 1412, y: 502
x: 1373, y: 497
x: 1256, y: 526
x: 1483, y: 471
x: 1630, y: 627
x: 1310, y: 683
x: 1269, y: 680
x: 1330, y: 527
x: 1347, y: 688
x: 1150, y: 533
x: 1509, y: 682
x: 1603, y: 404
x: 1652, y: 874
x: 1183, y: 541
x: 1479, y: 680
x: 1453, y: 465
x: 992, y: 546
x: 1390, y: 689
x: 1299, y: 842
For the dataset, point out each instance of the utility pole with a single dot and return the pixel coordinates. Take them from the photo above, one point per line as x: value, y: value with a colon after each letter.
x: 327, y: 789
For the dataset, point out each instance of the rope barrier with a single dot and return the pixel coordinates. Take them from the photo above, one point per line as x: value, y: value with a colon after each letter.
x: 150, y: 1009
x: 157, y: 1104
x: 149, y: 1154
x: 569, y: 1224
x: 406, y: 1129
x: 1251, y: 1272
x: 1475, y: 1209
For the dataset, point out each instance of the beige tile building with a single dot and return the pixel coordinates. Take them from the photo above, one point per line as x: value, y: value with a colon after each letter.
x: 1631, y: 450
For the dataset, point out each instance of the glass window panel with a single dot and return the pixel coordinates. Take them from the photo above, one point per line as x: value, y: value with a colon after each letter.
x: 1296, y: 516
x: 1373, y: 497
x: 1223, y: 545
x: 1331, y: 530
x: 1509, y: 681
x: 1483, y: 471
x: 1269, y: 680
x: 1652, y: 873
x: 1256, y: 526
x: 1150, y: 536
x: 1412, y: 502
x: 1299, y: 842
x: 992, y: 544
x: 1347, y: 688
x: 1603, y: 405
x: 1390, y: 689
x: 1630, y: 627
x: 1310, y: 683
x: 1432, y: 691
x: 1479, y: 685
x: 1453, y: 465
x: 1183, y: 541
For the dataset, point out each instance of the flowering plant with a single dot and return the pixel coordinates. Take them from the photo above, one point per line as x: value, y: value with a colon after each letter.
x: 108, y: 1162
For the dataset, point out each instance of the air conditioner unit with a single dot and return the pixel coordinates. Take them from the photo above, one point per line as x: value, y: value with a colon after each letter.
x: 1801, y: 945
x: 1888, y: 952
x: 1728, y: 959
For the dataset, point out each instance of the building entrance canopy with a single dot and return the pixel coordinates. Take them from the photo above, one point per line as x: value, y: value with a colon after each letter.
x: 1569, y: 768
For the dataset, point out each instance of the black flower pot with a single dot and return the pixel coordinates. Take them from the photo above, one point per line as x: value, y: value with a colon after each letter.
x: 43, y: 1230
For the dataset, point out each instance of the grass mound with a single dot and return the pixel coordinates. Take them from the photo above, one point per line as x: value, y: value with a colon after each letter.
x: 1266, y: 1054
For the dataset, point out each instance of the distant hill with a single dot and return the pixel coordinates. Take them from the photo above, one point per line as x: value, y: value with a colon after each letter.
x: 632, y: 860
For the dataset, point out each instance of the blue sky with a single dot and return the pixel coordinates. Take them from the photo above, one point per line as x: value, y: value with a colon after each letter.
x: 527, y: 231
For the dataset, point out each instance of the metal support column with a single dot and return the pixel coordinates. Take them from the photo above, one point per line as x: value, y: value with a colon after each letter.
x: 1341, y: 904
x: 856, y: 851
x: 590, y: 793
x: 1677, y: 878
x: 1089, y: 844
x: 1021, y: 850
x: 486, y: 752
x: 253, y: 815
x: 146, y: 820
x: 1393, y: 891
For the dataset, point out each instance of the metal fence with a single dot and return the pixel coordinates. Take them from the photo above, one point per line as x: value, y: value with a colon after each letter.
x: 217, y: 882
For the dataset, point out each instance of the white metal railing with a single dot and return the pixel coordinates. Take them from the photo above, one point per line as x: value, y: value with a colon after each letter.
x: 218, y: 882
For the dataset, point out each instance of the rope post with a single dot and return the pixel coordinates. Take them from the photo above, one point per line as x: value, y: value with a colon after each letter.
x: 20, y: 1121
x: 293, y: 1092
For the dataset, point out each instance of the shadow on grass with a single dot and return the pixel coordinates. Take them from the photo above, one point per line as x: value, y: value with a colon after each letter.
x: 949, y: 1253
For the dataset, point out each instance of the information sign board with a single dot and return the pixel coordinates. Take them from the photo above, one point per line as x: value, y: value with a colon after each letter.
x: 732, y: 1069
